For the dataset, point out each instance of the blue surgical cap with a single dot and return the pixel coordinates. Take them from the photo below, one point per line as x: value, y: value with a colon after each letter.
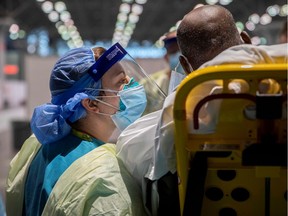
x: 70, y: 82
x: 68, y: 70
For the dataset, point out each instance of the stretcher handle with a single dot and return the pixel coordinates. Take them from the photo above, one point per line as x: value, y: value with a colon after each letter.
x: 214, y: 97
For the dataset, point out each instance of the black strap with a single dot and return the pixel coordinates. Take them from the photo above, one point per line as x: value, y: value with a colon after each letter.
x: 196, y: 181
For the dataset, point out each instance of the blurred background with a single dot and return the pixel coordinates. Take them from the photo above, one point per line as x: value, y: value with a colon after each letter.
x: 34, y: 33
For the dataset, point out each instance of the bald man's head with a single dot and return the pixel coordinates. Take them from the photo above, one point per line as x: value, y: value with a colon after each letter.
x: 205, y: 32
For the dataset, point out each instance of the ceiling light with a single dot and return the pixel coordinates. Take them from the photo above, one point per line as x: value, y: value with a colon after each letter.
x: 47, y: 6
x: 263, y: 40
x: 255, y: 40
x: 65, y: 16
x: 137, y: 9
x: 60, y: 6
x: 211, y: 2
x: 53, y: 16
x: 65, y: 36
x: 14, y: 28
x: 225, y: 2
x: 240, y: 26
x: 72, y: 29
x: 31, y: 48
x: 250, y: 26
x: 69, y: 22
x: 116, y: 38
x: 59, y: 23
x: 118, y: 32
x: 128, y: 31
x: 131, y: 25
x: 255, y: 18
x: 124, y: 8
x: 70, y: 44
x: 22, y: 34
x: 284, y: 10
x: 122, y: 17
x: 75, y: 35
x: 79, y: 43
x: 133, y: 18
x: 62, y: 29
x: 119, y: 29
x: 273, y: 10
x: 265, y: 19
x: 141, y: 1
x: 127, y: 1
x: 129, y: 28
x: 13, y: 36
x: 123, y: 28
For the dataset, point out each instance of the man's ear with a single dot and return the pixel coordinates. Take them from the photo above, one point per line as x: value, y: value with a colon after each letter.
x: 184, y: 63
x: 90, y: 105
x: 245, y: 37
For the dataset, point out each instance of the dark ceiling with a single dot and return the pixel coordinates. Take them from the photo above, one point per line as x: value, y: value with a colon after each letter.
x: 95, y: 19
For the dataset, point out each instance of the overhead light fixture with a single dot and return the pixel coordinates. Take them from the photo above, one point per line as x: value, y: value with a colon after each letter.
x: 64, y: 23
x: 133, y: 18
x: 284, y: 10
x: 60, y: 6
x: 211, y: 2
x: 16, y: 32
x: 14, y: 28
x: 47, y: 6
x: 265, y: 19
x: 273, y: 10
x: 137, y: 9
x: 250, y: 26
x: 255, y: 18
x: 127, y: 18
x: 124, y: 8
x: 240, y: 26
x: 225, y: 2
x: 122, y: 17
x: 53, y: 16
x: 127, y: 1
x: 141, y: 1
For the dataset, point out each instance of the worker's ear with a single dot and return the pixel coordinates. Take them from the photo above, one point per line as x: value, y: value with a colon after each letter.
x: 245, y: 37
x: 185, y: 64
x: 90, y: 105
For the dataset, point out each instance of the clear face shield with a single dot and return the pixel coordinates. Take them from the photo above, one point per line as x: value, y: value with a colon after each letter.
x: 122, y: 92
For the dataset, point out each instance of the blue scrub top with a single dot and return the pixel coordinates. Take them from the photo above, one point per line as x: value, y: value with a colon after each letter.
x: 49, y: 164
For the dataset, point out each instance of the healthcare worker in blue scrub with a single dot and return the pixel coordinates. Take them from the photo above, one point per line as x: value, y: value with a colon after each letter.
x: 68, y: 167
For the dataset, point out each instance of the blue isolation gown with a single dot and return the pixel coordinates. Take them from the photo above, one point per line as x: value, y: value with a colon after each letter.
x: 49, y: 164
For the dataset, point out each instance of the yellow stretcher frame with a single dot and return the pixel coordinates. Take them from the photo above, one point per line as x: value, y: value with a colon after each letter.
x: 222, y: 72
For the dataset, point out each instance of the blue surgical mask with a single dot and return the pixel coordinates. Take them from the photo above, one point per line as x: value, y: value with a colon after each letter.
x: 132, y: 104
x: 130, y: 84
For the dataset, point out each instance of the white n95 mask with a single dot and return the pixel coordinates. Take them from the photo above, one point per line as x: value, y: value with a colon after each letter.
x: 177, y: 75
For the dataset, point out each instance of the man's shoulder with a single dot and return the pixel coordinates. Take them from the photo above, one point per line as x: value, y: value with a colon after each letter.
x: 250, y: 54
